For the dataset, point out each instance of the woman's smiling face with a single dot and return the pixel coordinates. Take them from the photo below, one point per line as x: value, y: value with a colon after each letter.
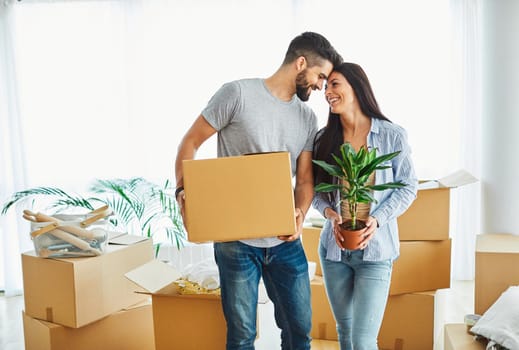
x: 339, y: 93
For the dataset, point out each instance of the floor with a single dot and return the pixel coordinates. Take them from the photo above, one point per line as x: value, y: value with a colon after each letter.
x: 11, y: 329
x: 458, y: 301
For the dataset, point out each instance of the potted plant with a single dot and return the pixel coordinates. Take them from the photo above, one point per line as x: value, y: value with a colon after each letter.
x: 352, y: 171
x: 140, y: 207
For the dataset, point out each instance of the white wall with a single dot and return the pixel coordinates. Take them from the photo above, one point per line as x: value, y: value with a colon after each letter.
x: 500, y: 129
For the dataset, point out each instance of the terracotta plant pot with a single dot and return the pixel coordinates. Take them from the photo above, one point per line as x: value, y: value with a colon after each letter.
x: 352, y: 238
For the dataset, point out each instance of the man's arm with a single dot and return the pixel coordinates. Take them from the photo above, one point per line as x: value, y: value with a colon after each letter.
x: 199, y: 132
x: 303, y: 193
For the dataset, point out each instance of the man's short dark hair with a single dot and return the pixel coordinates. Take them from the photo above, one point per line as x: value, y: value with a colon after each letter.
x: 314, y: 47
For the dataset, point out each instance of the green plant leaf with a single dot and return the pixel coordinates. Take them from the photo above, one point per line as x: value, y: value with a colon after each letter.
x: 371, y: 166
x: 323, y: 187
x: 48, y: 192
x: 333, y: 170
x: 387, y: 186
x: 365, y: 196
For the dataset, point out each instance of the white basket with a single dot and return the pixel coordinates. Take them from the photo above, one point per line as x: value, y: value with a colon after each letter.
x: 70, y: 235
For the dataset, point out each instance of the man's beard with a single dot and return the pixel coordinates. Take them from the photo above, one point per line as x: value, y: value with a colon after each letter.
x: 302, y: 87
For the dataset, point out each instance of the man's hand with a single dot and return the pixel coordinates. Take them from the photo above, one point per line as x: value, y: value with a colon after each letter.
x: 300, y: 218
x: 181, y: 200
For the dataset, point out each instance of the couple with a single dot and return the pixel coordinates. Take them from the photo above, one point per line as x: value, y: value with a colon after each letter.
x: 243, y: 112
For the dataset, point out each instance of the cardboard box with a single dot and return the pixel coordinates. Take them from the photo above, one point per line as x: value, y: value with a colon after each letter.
x: 457, y: 338
x: 428, y: 216
x: 310, y: 241
x: 422, y: 266
x: 319, y: 344
x: 77, y: 291
x: 233, y: 198
x: 323, y: 322
x: 130, y: 329
x: 188, y: 321
x: 408, y: 322
x: 497, y: 258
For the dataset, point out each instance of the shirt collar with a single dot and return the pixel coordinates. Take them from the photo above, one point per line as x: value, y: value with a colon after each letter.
x: 375, y: 125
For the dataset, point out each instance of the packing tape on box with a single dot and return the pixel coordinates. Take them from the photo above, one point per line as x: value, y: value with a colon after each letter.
x: 399, y: 345
x: 322, y: 330
x: 49, y: 315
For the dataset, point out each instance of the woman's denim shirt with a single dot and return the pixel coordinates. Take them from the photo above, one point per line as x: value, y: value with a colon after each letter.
x: 386, y: 137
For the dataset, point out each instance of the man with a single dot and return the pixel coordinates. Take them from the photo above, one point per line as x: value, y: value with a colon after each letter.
x: 264, y: 115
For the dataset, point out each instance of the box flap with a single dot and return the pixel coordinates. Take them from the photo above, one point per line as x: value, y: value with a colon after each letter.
x: 428, y: 184
x: 153, y: 276
x: 142, y: 303
x: 114, y: 234
x: 497, y: 243
x: 126, y: 239
x: 456, y: 179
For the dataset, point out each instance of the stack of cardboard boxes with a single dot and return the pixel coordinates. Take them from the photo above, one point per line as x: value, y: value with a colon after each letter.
x: 87, y: 303
x: 323, y: 324
x: 423, y: 267
x: 497, y: 255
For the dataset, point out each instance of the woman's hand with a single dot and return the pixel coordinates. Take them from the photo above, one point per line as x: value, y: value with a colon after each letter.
x: 371, y: 224
x: 336, y: 220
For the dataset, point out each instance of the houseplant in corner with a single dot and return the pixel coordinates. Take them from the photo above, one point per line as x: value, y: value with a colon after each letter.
x: 351, y: 172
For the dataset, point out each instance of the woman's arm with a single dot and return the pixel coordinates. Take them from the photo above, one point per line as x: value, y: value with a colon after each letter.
x: 399, y: 199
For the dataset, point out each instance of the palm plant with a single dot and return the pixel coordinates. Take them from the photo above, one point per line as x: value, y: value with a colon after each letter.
x: 353, y: 170
x: 140, y: 206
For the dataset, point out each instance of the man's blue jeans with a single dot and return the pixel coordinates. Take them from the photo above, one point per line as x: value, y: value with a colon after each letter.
x: 285, y: 274
x: 357, y: 291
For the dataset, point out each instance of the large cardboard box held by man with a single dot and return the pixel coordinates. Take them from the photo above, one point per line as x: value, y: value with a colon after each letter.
x: 497, y: 261
x: 128, y: 329
x: 242, y: 197
x: 428, y: 216
x: 74, y: 292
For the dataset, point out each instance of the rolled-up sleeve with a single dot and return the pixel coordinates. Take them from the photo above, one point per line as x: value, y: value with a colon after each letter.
x: 321, y: 202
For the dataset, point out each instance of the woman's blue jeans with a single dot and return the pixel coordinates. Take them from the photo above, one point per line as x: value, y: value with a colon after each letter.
x: 284, y: 269
x: 358, y: 292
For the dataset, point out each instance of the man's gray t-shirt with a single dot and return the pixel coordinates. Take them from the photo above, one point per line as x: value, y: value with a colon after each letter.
x: 249, y: 119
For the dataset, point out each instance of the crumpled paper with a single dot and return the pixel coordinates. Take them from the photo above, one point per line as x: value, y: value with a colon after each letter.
x: 200, y: 278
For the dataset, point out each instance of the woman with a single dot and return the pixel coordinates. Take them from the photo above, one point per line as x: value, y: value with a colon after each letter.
x: 357, y: 281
